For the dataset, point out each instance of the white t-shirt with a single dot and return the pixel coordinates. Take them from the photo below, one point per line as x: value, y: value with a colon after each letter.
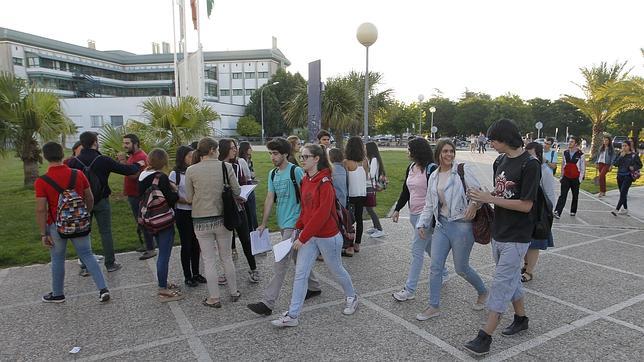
x: 182, y: 189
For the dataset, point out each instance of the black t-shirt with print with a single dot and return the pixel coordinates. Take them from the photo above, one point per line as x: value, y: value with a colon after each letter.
x: 515, y: 179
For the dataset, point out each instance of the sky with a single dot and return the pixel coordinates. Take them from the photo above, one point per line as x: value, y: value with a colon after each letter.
x: 526, y: 47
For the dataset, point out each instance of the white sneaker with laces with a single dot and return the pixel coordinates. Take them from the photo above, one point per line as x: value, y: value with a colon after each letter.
x: 403, y: 295
x: 285, y: 321
x: 350, y: 306
x: 623, y: 212
x: 371, y: 231
x: 428, y: 314
x: 378, y: 234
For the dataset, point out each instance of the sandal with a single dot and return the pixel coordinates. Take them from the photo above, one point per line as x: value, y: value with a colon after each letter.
x: 526, y: 277
x: 222, y: 280
x: 170, y: 296
x: 216, y: 304
x: 173, y: 286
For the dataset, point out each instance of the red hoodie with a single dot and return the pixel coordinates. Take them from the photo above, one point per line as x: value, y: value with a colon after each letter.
x: 318, y: 205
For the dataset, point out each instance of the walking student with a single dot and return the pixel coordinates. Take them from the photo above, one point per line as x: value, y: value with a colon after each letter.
x: 131, y: 145
x: 378, y: 180
x: 604, y: 163
x: 245, y: 161
x: 516, y: 180
x: 573, y: 169
x: 228, y: 153
x: 550, y: 155
x: 357, y: 168
x: 204, y: 186
x: 340, y: 176
x: 548, y: 186
x: 64, y: 188
x: 296, y: 145
x: 413, y: 194
x: 153, y: 175
x: 627, y: 162
x: 183, y: 215
x: 319, y: 234
x: 283, y: 189
x: 482, y: 141
x: 98, y: 169
x: 448, y: 204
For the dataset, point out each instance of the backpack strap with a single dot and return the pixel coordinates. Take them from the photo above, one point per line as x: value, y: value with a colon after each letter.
x: 460, y: 169
x: 430, y: 168
x: 294, y: 181
x: 52, y: 183
x: 72, y: 180
x: 225, y: 172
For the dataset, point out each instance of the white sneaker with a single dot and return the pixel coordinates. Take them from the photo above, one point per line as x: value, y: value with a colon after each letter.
x: 285, y: 321
x: 623, y: 212
x: 378, y: 234
x: 350, y: 305
x: 428, y: 314
x: 371, y: 231
x: 403, y: 295
x: 97, y: 257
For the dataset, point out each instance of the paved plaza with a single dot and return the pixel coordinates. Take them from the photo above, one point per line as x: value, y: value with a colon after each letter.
x: 586, y: 302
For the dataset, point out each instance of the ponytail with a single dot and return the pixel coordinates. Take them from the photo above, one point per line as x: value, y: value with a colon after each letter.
x: 319, y: 151
x: 204, y: 147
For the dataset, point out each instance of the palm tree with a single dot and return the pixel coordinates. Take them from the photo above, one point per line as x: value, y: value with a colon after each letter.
x: 28, y: 115
x: 181, y: 121
x: 600, y: 104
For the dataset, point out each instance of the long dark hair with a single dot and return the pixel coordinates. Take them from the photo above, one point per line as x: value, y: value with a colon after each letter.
x: 373, y: 152
x: 225, y: 145
x: 244, y: 146
x: 420, y: 151
x: 319, y: 151
x: 538, y: 150
x: 610, y: 145
x: 180, y: 161
x: 354, y: 150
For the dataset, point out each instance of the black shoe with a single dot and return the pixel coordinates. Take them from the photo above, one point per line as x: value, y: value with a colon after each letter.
x: 519, y: 324
x: 479, y: 345
x: 104, y: 295
x: 199, y: 279
x: 312, y: 293
x: 260, y: 308
x: 114, y: 267
x: 191, y: 283
x: 49, y: 298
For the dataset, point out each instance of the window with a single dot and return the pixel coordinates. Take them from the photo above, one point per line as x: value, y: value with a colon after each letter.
x: 211, y: 73
x: 262, y: 74
x: 249, y: 92
x: 97, y: 121
x: 211, y: 90
x: 18, y: 61
x: 33, y: 61
x: 249, y: 75
x: 238, y: 92
x: 224, y: 92
x: 117, y: 121
x: 237, y: 75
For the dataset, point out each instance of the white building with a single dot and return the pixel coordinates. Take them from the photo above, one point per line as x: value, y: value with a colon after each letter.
x: 107, y: 87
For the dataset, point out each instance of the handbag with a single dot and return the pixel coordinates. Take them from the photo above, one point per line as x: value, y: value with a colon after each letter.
x: 371, y: 197
x: 232, y: 216
x: 482, y: 222
x: 636, y: 174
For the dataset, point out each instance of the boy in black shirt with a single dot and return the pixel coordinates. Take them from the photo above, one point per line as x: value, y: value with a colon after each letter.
x: 516, y: 181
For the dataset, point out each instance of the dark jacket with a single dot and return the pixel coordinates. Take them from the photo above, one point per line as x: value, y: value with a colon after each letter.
x: 403, y: 199
x: 170, y: 195
x: 102, y: 167
x: 624, y: 163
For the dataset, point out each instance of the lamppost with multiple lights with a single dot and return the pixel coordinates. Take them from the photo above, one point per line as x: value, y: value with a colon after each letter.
x: 261, y: 106
x: 432, y: 110
x: 367, y: 35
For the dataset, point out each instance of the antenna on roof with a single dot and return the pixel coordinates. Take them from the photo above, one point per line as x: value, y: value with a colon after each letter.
x: 91, y: 44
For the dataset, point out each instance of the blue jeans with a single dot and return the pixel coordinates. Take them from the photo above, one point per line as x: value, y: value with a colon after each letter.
x: 419, y: 247
x: 165, y: 239
x: 134, y: 206
x: 83, y: 247
x: 506, y: 286
x: 330, y: 248
x: 455, y: 236
x: 102, y: 211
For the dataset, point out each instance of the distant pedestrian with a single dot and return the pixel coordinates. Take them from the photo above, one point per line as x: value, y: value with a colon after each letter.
x: 482, y: 140
x: 573, y: 169
x: 357, y: 167
x: 61, y: 190
x: 473, y: 140
x: 296, y: 144
x: 604, y: 163
x: 550, y: 155
x: 76, y: 150
x: 324, y: 138
x: 378, y: 181
x: 628, y: 166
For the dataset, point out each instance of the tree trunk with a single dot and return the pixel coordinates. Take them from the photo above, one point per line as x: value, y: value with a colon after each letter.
x: 597, y: 139
x: 30, y: 156
x: 339, y: 139
x: 30, y: 168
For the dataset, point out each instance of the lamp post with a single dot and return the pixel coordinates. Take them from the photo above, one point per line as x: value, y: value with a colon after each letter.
x: 367, y: 35
x: 261, y: 106
x: 432, y: 110
x: 420, y: 114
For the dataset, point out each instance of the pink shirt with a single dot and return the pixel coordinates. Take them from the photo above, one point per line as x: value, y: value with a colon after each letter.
x: 417, y: 184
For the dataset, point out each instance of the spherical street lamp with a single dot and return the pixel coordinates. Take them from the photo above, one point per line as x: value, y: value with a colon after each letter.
x: 432, y: 110
x: 367, y: 35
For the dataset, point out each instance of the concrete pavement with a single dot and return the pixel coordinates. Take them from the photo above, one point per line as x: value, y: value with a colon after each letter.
x: 586, y: 302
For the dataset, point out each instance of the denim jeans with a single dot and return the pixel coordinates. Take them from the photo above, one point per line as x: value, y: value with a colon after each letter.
x: 455, y: 236
x: 330, y: 248
x: 165, y: 239
x: 140, y: 230
x: 102, y: 211
x: 419, y: 247
x: 506, y: 286
x: 83, y: 246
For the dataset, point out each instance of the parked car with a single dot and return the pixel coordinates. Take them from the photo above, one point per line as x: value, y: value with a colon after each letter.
x: 618, y: 140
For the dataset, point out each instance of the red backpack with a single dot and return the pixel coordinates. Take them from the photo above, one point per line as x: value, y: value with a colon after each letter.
x: 343, y: 217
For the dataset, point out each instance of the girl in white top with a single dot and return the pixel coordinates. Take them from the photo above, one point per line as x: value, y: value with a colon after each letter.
x: 183, y: 217
x: 376, y: 175
x: 357, y: 168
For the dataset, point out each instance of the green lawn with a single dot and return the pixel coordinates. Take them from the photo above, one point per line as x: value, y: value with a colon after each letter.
x: 19, y: 236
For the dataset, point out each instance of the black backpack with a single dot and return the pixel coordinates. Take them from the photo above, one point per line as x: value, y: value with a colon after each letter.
x: 293, y: 180
x: 95, y: 183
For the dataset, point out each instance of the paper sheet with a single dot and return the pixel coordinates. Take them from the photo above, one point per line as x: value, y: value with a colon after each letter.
x: 246, y: 190
x: 282, y: 249
x: 260, y: 243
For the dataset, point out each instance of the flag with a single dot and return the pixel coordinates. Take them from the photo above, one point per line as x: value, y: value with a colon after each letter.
x: 193, y: 6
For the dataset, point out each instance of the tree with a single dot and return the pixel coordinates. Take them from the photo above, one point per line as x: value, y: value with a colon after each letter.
x: 600, y: 104
x: 247, y: 126
x: 180, y: 121
x: 443, y: 117
x: 28, y: 115
x: 511, y: 106
x: 397, y: 118
x: 473, y: 113
x: 567, y: 116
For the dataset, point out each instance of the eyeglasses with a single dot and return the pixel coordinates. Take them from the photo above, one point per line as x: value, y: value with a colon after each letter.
x: 549, y: 143
x: 304, y: 157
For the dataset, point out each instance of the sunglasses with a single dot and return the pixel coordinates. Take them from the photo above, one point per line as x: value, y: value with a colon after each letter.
x: 305, y: 157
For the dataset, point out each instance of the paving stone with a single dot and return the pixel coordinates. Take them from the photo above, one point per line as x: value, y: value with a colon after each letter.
x: 633, y: 314
x: 616, y: 255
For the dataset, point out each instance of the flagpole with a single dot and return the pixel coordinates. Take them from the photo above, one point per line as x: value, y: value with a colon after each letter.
x: 201, y: 61
x: 185, y: 50
x: 174, y: 46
